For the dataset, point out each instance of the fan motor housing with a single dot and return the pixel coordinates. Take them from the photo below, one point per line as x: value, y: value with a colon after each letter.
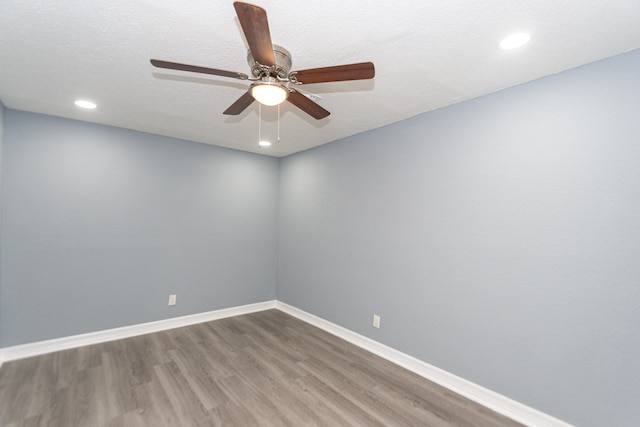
x: 281, y: 67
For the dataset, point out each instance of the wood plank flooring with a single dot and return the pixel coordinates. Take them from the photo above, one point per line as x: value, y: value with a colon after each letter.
x: 260, y: 369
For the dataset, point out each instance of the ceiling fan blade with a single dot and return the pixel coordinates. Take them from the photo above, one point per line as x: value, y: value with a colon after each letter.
x: 240, y: 105
x: 307, y: 105
x: 253, y: 20
x: 197, y: 69
x: 338, y: 73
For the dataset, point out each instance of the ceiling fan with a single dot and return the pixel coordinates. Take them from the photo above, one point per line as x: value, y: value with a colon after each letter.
x: 270, y: 69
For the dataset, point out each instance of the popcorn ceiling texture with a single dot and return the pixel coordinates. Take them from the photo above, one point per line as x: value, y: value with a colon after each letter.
x: 428, y: 54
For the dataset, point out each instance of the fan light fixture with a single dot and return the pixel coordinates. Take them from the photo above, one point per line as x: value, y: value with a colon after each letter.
x: 269, y: 93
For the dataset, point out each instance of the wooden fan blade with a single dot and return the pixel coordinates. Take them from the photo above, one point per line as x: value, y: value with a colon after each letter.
x: 338, y: 73
x: 240, y: 105
x: 197, y: 69
x: 307, y: 105
x: 253, y: 20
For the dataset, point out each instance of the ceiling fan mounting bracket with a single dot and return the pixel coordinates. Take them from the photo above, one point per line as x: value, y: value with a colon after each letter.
x: 279, y: 70
x: 292, y: 77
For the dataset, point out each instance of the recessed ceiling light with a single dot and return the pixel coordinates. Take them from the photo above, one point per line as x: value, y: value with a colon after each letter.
x: 264, y: 144
x: 514, y: 41
x: 85, y: 104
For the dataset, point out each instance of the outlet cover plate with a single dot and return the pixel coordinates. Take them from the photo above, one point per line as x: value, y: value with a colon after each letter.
x: 376, y: 321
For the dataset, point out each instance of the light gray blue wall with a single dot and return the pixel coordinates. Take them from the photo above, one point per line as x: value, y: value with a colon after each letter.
x: 498, y: 239
x: 1, y: 202
x: 101, y: 224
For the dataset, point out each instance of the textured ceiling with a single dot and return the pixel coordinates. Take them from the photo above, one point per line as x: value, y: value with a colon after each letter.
x: 427, y: 53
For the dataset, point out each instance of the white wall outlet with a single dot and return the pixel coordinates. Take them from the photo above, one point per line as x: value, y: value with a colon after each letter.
x: 376, y: 321
x: 172, y: 299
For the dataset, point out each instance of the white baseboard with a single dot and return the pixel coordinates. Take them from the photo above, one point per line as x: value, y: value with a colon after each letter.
x: 65, y: 343
x: 494, y: 401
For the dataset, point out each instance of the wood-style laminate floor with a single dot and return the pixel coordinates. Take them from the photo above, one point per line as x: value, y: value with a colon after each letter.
x: 261, y: 369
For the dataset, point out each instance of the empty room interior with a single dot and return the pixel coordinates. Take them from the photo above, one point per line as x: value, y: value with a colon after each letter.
x: 431, y: 227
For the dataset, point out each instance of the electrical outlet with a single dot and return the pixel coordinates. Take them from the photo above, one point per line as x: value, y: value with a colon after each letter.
x: 376, y: 321
x: 172, y: 299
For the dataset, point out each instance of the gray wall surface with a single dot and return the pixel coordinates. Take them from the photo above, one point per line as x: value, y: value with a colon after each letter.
x: 498, y: 239
x: 101, y: 224
x: 1, y: 156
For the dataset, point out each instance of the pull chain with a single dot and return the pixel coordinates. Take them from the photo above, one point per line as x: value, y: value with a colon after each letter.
x: 262, y: 143
x: 259, y: 125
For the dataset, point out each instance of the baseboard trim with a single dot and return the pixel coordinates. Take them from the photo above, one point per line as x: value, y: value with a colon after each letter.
x: 492, y: 400
x: 49, y: 346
